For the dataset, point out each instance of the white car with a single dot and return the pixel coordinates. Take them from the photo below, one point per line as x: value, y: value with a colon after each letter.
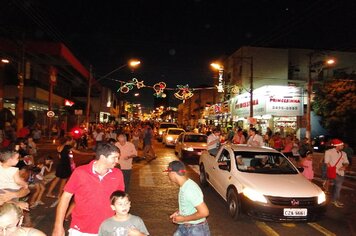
x: 162, y: 128
x: 261, y: 182
x: 170, y: 136
x: 190, y: 145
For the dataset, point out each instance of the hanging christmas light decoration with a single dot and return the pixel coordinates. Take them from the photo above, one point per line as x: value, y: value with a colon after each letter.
x: 184, y: 92
x: 159, y: 90
x: 138, y: 84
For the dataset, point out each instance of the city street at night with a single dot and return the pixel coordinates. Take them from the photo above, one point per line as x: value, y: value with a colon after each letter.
x: 226, y: 117
x: 154, y: 198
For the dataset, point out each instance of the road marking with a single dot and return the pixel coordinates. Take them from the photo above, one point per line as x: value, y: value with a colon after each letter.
x: 290, y: 225
x: 37, y: 220
x: 266, y: 229
x: 321, y: 229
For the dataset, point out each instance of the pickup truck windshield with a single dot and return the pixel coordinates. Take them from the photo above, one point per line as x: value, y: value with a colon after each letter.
x: 263, y: 163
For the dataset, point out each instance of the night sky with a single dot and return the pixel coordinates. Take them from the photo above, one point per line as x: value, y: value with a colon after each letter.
x: 176, y: 40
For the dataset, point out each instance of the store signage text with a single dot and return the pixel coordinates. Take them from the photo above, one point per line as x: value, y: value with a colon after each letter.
x: 245, y: 104
x: 284, y: 100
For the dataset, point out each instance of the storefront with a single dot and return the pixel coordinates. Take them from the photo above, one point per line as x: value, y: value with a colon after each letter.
x: 276, y: 107
x: 219, y: 114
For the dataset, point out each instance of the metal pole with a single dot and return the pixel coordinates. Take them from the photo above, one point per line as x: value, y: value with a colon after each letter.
x: 309, y: 90
x: 88, y: 97
x: 50, y: 95
x: 20, y: 103
x: 251, y: 88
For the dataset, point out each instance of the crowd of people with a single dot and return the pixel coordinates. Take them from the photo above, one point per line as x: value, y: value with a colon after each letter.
x: 23, y: 173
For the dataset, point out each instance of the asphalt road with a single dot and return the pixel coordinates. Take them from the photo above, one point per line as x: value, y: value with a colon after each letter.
x: 154, y: 198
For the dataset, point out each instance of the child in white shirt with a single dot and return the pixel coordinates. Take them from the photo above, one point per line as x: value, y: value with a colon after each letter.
x: 9, y: 174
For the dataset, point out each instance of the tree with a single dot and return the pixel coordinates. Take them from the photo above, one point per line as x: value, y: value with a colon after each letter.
x: 335, y: 103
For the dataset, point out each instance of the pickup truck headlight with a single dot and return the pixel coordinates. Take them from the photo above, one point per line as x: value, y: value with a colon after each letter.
x: 169, y: 138
x: 189, y: 149
x: 254, y: 195
x: 321, y: 198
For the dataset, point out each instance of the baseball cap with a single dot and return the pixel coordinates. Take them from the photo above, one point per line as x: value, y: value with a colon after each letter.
x: 176, y: 166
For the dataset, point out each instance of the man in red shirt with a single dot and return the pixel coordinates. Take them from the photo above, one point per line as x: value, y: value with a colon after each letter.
x: 91, y: 185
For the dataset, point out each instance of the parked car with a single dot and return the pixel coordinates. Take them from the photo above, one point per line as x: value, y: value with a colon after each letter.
x: 170, y: 136
x: 262, y: 183
x: 321, y: 143
x: 190, y: 145
x: 163, y: 128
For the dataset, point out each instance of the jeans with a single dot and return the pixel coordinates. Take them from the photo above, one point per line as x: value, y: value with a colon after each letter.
x: 337, y: 187
x: 193, y: 230
x: 127, y: 177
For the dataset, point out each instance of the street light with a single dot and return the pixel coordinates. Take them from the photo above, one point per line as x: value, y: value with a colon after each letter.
x: 5, y: 61
x: 319, y: 66
x: 131, y: 63
x: 220, y: 68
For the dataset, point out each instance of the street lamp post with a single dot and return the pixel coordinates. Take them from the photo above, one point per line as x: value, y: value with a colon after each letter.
x: 132, y: 63
x: 320, y: 66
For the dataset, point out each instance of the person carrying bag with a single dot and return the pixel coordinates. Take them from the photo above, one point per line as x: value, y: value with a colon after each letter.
x: 331, y: 171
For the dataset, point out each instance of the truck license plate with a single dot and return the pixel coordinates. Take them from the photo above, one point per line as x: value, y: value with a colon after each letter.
x: 295, y: 212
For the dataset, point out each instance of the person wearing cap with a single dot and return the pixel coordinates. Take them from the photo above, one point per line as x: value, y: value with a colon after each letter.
x: 192, y: 213
x: 213, y: 142
x: 255, y: 140
x: 336, y: 157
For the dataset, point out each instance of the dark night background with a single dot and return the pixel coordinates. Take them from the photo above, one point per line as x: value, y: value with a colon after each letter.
x: 177, y: 40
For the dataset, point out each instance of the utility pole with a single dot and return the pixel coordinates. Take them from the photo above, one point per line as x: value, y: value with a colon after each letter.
x: 251, y: 87
x: 309, y: 92
x: 88, y: 96
x: 20, y: 103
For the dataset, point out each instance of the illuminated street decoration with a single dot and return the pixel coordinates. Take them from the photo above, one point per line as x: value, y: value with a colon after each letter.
x: 138, y: 84
x: 159, y: 90
x: 184, y: 92
x: 220, y: 86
